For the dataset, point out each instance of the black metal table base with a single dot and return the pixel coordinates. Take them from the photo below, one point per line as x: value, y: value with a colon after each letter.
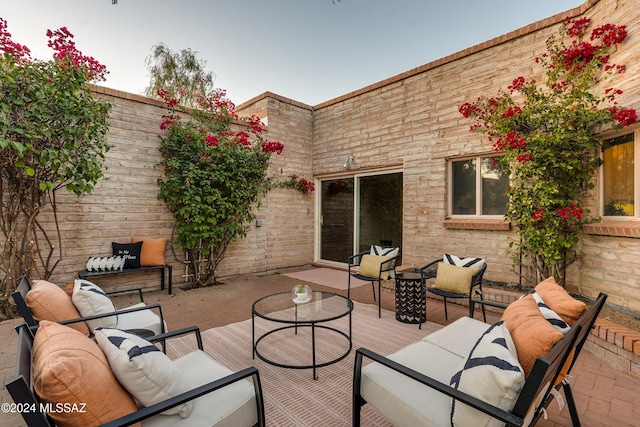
x: 314, y: 365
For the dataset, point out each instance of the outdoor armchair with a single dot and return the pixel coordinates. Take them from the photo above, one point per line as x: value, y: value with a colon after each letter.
x: 456, y: 278
x: 211, y: 394
x: 374, y: 265
x: 48, y: 301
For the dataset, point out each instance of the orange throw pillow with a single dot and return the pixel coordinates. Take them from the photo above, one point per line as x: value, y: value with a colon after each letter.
x: 70, y: 368
x: 532, y: 334
x: 152, y: 252
x: 559, y: 300
x: 48, y: 301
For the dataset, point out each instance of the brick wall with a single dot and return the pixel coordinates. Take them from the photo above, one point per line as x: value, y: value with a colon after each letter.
x: 412, y: 121
x: 124, y: 203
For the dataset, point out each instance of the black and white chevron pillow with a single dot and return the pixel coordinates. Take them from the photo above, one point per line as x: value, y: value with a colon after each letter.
x: 145, y: 371
x: 491, y: 372
x: 553, y: 317
x: 463, y: 262
x: 380, y: 251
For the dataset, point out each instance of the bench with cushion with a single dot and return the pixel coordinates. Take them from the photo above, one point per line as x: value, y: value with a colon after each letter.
x: 121, y: 379
x: 472, y: 373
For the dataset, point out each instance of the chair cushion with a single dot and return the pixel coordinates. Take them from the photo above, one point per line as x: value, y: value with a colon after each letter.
x: 141, y: 320
x: 130, y: 252
x: 463, y: 262
x: 152, y: 251
x: 370, y: 266
x: 406, y: 402
x: 559, y: 300
x: 145, y: 371
x: 454, y: 279
x: 230, y: 406
x: 458, y: 337
x: 532, y: 334
x: 90, y: 299
x: 491, y: 373
x: 69, y: 367
x: 48, y: 301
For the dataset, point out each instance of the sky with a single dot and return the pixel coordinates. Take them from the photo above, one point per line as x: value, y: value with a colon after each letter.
x: 310, y: 51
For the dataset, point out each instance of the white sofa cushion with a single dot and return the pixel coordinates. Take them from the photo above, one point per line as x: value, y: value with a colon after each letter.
x: 231, y: 406
x: 458, y: 337
x: 146, y: 372
x: 143, y: 319
x: 90, y: 300
x: 403, y: 401
x: 490, y: 373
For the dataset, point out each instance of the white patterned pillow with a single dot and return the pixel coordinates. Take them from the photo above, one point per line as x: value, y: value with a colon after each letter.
x: 463, y: 262
x: 553, y: 317
x: 89, y: 300
x: 113, y: 263
x: 145, y: 371
x: 490, y: 373
x: 386, y: 252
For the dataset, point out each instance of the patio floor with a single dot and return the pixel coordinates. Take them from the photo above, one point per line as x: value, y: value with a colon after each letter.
x: 604, y: 397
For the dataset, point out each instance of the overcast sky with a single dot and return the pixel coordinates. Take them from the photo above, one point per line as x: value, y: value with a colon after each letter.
x: 308, y: 50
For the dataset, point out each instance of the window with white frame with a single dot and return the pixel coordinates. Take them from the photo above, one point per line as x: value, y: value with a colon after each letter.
x: 477, y: 187
x: 620, y: 176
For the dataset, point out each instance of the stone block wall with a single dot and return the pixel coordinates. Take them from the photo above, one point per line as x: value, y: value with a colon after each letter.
x: 411, y: 121
x: 124, y: 203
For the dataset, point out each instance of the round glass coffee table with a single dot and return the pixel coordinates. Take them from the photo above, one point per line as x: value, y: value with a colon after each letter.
x: 280, y: 308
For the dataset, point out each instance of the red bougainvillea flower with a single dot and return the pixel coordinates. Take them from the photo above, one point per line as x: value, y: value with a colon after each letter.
x: 61, y: 41
x: 512, y: 111
x: 273, y: 147
x: 577, y: 27
x: 468, y: 109
x: 212, y: 141
x: 517, y: 84
x: 610, y: 34
x: 242, y: 138
x: 538, y: 214
x: 624, y: 117
x: 573, y: 211
x: 20, y: 53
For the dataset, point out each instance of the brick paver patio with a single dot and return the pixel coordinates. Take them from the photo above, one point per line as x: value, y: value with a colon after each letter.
x: 604, y: 397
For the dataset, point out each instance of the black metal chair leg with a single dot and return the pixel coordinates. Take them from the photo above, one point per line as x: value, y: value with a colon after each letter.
x: 571, y: 404
x: 446, y: 316
x: 379, y: 301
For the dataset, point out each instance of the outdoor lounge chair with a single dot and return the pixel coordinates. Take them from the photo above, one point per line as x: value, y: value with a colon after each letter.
x: 373, y: 266
x: 53, y: 303
x: 215, y: 395
x: 452, y: 280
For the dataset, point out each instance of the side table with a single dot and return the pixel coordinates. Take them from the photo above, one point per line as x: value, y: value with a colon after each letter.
x: 411, y: 303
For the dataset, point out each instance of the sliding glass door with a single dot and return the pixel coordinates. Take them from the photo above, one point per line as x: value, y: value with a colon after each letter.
x: 357, y: 212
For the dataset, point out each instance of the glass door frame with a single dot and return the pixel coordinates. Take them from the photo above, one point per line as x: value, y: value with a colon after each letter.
x: 356, y: 210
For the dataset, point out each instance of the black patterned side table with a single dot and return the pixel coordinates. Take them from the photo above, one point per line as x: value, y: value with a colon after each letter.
x: 411, y: 303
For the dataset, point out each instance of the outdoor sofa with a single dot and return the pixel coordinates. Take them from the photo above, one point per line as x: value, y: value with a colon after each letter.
x: 470, y: 373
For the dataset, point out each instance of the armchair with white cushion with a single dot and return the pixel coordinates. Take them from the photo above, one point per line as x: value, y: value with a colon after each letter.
x: 87, y: 309
x: 374, y: 265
